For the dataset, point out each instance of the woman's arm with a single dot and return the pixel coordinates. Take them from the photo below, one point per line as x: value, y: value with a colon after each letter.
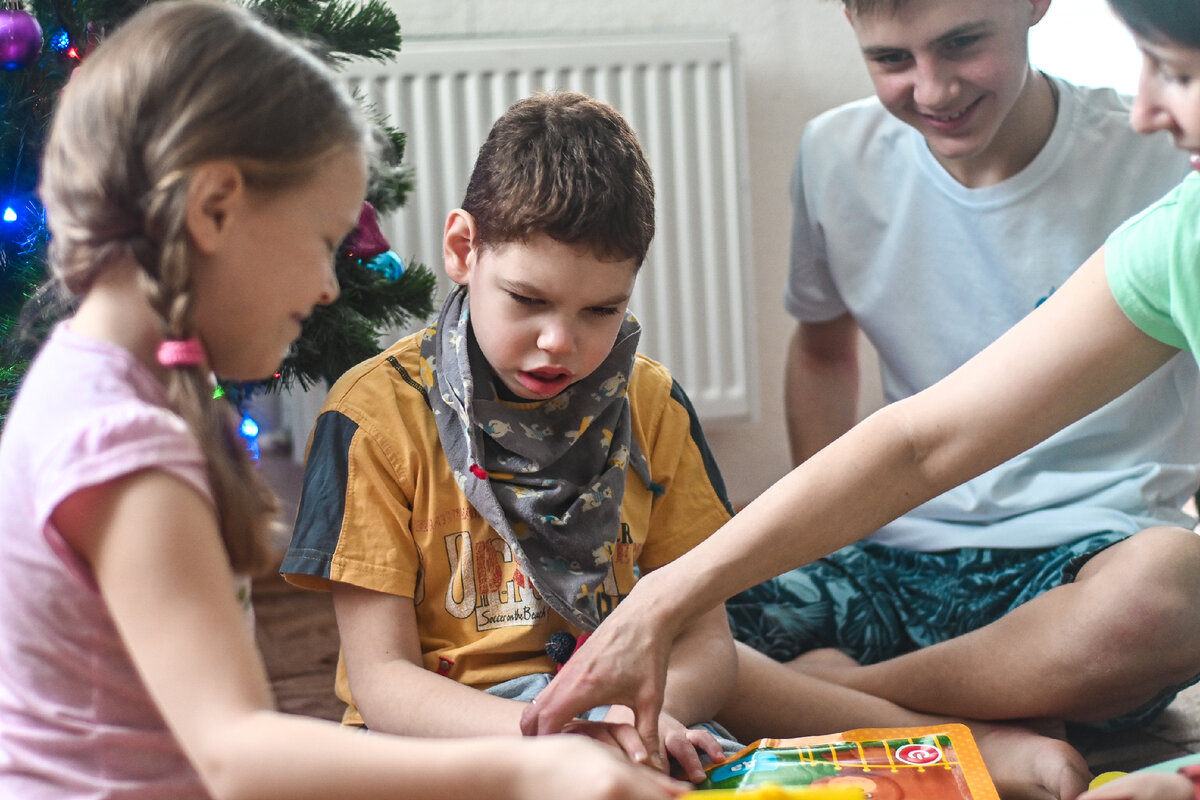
x: 1074, y: 353
x: 153, y: 545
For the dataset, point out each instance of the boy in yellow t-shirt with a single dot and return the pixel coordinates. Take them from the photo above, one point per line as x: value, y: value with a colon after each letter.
x: 493, y: 485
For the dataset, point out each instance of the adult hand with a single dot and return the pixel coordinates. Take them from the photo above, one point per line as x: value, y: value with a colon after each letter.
x: 680, y: 742
x: 623, y: 662
x: 621, y: 735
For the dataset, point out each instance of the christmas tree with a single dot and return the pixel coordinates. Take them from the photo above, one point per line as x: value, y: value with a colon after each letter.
x: 42, y: 42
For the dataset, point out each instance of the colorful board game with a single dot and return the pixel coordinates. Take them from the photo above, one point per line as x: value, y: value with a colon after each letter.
x: 929, y: 763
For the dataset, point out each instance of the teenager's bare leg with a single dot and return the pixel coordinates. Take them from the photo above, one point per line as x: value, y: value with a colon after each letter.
x: 772, y: 700
x: 1090, y: 650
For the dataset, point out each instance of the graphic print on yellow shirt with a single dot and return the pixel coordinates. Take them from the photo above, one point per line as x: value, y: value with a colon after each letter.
x: 487, y: 582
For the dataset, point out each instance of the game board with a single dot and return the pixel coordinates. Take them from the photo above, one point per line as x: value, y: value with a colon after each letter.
x: 930, y: 763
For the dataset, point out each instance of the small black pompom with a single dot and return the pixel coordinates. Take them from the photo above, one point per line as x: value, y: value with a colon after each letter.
x: 560, y: 647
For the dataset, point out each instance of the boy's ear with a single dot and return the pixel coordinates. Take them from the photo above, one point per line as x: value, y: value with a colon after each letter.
x: 459, y: 242
x: 215, y: 190
x: 1040, y: 7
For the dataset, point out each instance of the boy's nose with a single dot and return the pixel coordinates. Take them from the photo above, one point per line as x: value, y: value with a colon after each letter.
x: 934, y: 85
x: 556, y: 337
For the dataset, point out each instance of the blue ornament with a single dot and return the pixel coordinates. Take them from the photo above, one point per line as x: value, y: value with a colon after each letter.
x: 387, y: 264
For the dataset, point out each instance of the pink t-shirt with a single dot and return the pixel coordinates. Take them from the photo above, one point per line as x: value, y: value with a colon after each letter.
x: 75, y: 719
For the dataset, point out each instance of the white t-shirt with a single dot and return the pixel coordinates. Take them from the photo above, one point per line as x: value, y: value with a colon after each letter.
x: 933, y: 272
x: 75, y: 719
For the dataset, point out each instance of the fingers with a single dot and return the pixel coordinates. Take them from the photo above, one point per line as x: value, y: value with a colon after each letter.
x: 657, y: 784
x: 623, y: 737
x: 567, y: 696
x: 628, y: 740
x: 682, y: 750
x: 645, y: 719
x: 685, y: 746
x: 705, y: 741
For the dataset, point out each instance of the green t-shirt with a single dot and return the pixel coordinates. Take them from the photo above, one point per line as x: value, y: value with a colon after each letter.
x: 1153, y: 266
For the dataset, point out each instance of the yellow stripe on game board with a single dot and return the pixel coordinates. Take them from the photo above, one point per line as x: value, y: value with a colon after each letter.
x: 771, y: 791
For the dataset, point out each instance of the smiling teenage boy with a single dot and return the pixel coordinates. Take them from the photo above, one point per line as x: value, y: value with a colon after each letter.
x: 932, y: 217
x: 493, y: 484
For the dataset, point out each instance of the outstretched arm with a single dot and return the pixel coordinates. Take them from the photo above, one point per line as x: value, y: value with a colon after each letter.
x: 153, y: 545
x: 1074, y: 353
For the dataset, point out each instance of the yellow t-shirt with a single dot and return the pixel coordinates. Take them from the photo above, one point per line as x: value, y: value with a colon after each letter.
x: 381, y: 510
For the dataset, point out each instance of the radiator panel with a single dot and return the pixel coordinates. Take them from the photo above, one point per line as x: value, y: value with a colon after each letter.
x: 683, y: 97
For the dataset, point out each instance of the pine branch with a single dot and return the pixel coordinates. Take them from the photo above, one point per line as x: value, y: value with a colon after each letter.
x: 367, y: 30
x: 338, y: 336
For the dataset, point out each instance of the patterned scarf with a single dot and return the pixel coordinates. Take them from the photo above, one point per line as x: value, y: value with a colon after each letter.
x: 548, y: 475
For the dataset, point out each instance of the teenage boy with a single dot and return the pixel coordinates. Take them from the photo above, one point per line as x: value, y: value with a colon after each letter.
x: 489, y: 489
x: 1062, y: 584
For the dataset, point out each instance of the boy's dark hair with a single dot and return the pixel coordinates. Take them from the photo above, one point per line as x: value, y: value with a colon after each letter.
x: 871, y: 6
x: 568, y: 166
x: 1162, y: 20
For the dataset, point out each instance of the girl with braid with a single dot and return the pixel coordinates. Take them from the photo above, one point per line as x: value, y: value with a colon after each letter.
x: 200, y: 174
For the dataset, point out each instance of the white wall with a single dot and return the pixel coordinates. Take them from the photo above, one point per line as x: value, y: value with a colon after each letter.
x: 798, y: 58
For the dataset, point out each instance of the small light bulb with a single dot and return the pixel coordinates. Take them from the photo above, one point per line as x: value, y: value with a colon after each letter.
x: 249, y: 427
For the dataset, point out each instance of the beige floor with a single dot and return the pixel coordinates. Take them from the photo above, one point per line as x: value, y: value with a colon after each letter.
x: 1176, y: 732
x: 298, y: 636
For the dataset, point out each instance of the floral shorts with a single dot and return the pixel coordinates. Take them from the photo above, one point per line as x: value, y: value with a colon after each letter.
x: 876, y: 602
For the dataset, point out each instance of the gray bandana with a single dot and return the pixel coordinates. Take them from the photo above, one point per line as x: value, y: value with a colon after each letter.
x: 548, y: 475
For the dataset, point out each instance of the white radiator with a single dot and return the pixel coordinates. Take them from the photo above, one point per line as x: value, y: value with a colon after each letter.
x: 683, y: 97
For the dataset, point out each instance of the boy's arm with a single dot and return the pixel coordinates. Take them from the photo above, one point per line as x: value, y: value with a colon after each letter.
x: 394, y: 692
x: 391, y: 687
x: 820, y: 384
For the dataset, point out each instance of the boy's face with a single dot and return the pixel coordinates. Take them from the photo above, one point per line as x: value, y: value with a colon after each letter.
x: 1168, y: 95
x: 952, y: 69
x: 545, y: 314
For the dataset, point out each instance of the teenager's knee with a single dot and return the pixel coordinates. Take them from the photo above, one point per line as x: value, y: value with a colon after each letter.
x: 1148, y: 601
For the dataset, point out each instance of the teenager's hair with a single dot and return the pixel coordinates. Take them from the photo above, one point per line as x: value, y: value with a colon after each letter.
x: 1162, y: 20
x: 873, y: 6
x: 179, y: 84
x: 567, y: 166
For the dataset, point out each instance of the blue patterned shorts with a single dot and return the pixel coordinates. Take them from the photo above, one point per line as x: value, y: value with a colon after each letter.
x: 876, y: 602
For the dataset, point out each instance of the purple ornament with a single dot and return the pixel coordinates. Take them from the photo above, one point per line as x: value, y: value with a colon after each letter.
x: 20, y: 38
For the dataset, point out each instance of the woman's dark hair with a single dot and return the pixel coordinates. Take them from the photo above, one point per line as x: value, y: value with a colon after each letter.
x: 1175, y: 21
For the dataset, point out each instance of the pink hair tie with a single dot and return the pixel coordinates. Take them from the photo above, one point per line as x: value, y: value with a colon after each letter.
x: 181, y: 353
